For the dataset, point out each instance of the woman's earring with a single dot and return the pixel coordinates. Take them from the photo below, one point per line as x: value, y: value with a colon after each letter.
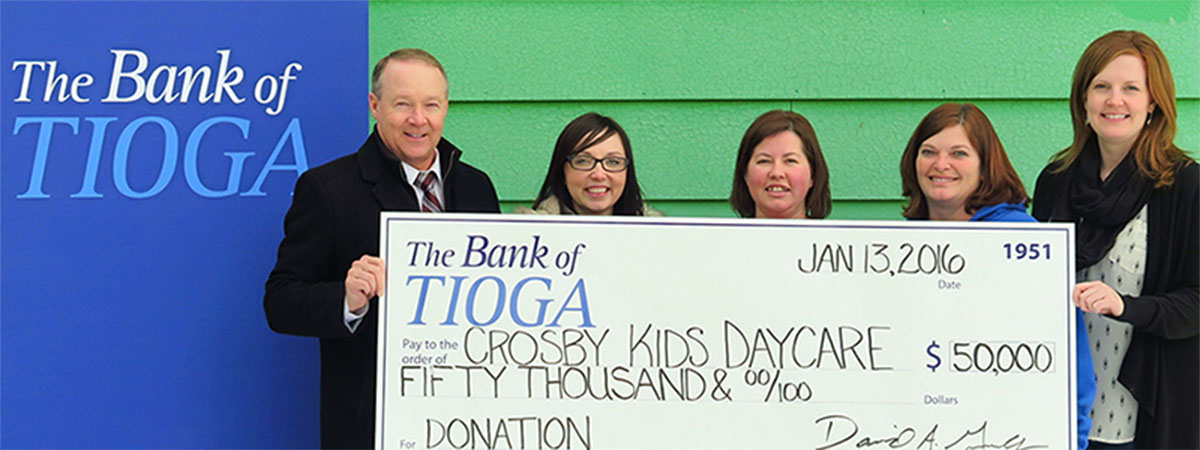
x: 1148, y: 117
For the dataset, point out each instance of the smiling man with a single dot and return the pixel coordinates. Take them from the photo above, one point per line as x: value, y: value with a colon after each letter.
x: 327, y: 276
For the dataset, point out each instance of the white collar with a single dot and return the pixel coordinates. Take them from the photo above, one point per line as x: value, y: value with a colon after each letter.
x: 410, y: 172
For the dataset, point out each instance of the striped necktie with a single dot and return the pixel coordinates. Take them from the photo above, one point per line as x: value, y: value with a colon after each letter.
x: 429, y: 201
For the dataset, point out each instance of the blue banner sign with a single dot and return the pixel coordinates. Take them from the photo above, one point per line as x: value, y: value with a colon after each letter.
x: 149, y: 151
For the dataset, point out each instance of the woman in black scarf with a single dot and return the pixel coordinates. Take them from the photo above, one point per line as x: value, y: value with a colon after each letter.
x: 1132, y: 195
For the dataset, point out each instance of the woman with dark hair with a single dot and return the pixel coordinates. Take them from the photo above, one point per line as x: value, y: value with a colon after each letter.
x: 955, y: 168
x: 1132, y: 195
x: 591, y: 172
x: 780, y: 172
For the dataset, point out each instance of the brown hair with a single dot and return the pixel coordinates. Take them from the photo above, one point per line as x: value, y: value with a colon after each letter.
x: 817, y: 202
x: 404, y: 54
x: 1154, y: 149
x: 998, y: 181
x: 579, y: 135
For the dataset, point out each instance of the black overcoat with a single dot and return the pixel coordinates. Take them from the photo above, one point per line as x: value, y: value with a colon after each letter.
x: 333, y: 221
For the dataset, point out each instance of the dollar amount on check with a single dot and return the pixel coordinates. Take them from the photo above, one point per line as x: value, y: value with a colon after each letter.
x: 575, y: 333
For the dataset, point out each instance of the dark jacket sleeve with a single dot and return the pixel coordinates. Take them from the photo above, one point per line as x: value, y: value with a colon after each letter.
x: 1043, y: 195
x: 472, y: 191
x: 305, y: 294
x: 1172, y: 311
x: 491, y: 200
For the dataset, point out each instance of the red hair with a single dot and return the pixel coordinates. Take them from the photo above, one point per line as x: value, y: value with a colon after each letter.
x: 998, y: 181
x: 1154, y: 149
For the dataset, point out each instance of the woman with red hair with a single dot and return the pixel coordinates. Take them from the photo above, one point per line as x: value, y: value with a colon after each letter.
x: 1132, y: 195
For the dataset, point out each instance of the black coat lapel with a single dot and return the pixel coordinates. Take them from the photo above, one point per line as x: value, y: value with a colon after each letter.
x: 390, y: 189
x: 448, y: 156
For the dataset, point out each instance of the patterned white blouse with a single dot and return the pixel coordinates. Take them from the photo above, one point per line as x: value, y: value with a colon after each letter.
x: 1114, y: 414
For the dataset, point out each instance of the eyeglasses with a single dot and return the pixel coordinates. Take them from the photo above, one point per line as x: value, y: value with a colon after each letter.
x: 584, y: 162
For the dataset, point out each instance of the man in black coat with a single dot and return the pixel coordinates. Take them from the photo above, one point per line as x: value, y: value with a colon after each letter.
x: 326, y: 279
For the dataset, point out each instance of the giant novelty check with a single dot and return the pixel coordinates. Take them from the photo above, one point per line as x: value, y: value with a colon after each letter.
x: 575, y: 333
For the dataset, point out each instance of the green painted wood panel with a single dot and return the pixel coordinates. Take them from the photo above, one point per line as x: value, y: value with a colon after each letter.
x: 686, y: 150
x: 637, y: 50
x: 687, y: 78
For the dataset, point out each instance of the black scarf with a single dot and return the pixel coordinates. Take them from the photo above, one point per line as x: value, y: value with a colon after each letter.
x: 1100, y: 209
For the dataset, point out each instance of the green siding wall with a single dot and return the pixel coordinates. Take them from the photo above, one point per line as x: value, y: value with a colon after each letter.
x: 686, y: 78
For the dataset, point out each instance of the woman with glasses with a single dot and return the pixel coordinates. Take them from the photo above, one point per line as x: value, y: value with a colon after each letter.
x: 780, y: 172
x: 591, y: 172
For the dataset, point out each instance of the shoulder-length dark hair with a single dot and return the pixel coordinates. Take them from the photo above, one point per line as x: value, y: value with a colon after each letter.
x: 817, y: 203
x: 998, y: 181
x: 579, y: 135
x: 1154, y: 150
